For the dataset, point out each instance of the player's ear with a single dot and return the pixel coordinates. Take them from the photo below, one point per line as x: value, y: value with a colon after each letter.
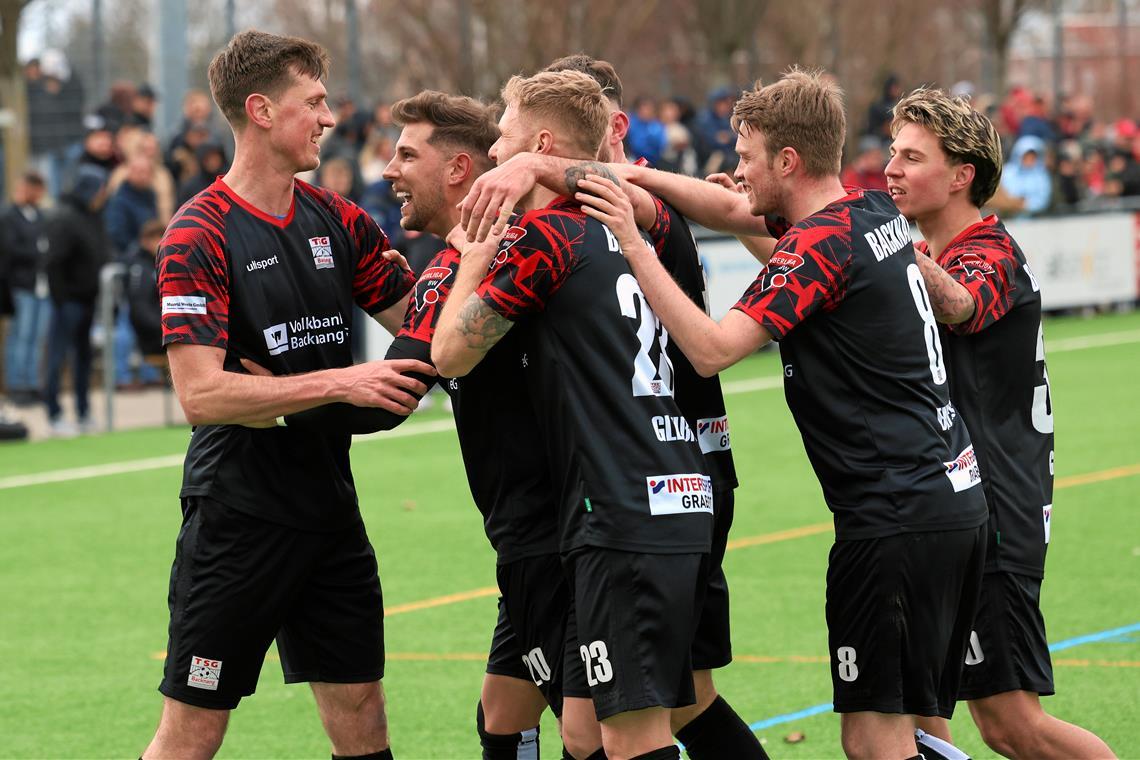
x: 788, y: 160
x: 543, y: 141
x: 459, y: 169
x: 619, y: 125
x: 259, y: 110
x: 963, y: 175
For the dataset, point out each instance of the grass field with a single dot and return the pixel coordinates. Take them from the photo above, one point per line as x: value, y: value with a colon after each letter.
x: 86, y: 555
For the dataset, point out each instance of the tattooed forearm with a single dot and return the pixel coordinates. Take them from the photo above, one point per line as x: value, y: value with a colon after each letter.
x: 949, y: 298
x: 578, y: 172
x: 480, y: 325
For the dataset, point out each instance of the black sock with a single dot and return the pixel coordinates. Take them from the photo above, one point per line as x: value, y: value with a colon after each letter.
x: 518, y: 746
x: 719, y: 732
x: 664, y: 753
x: 384, y: 754
x: 599, y: 755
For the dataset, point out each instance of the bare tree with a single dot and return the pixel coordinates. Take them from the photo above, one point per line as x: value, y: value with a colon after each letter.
x: 1000, y: 20
x: 13, y: 93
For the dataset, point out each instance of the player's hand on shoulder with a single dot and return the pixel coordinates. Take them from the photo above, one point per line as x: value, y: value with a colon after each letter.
x: 608, y: 203
x: 398, y: 259
x: 475, y: 253
x: 493, y: 197
x: 385, y: 384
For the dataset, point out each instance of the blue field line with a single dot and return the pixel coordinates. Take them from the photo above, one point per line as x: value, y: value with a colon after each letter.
x: 808, y: 712
x: 1093, y: 637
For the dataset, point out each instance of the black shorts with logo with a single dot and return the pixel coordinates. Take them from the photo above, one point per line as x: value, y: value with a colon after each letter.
x: 899, y: 611
x: 630, y: 629
x: 712, y: 643
x: 1008, y: 649
x: 238, y: 582
x: 531, y: 630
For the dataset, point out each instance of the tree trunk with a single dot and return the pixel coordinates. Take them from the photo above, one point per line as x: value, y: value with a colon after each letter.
x: 13, y: 94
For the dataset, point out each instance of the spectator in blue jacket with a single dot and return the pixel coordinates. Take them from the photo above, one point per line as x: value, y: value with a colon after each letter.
x: 646, y: 135
x: 1025, y: 176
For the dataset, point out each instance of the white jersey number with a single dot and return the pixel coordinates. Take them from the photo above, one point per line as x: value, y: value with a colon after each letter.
x: 929, y: 324
x: 848, y: 670
x: 649, y: 378
x: 1042, y: 402
x: 535, y: 662
x: 597, y: 659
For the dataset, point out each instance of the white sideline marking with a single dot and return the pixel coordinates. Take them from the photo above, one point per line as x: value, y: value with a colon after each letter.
x: 423, y: 428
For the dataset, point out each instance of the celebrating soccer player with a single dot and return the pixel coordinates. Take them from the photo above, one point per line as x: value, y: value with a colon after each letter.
x: 264, y: 267
x: 866, y: 385
x: 945, y: 164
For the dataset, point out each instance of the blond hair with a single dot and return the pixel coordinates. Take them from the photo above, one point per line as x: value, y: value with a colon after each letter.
x: 964, y: 133
x: 568, y: 103
x: 802, y: 111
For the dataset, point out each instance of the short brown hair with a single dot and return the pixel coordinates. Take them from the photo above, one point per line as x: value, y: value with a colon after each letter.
x: 603, y: 73
x: 965, y: 134
x: 459, y: 122
x: 802, y: 111
x: 569, y: 103
x: 264, y: 63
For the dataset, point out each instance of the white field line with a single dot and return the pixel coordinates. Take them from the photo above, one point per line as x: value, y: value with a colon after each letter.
x: 423, y: 428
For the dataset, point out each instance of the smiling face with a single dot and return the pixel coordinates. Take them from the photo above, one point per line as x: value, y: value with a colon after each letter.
x: 919, y: 174
x: 301, y: 115
x: 758, y: 173
x: 418, y: 173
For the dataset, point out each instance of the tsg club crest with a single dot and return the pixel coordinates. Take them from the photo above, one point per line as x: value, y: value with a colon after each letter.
x: 427, y: 287
x: 779, y: 267
x: 322, y: 252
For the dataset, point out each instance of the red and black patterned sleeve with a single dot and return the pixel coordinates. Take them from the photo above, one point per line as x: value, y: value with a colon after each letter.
x: 777, y: 226
x: 377, y: 283
x: 807, y: 271
x: 535, y: 256
x: 662, y: 223
x: 985, y: 264
x: 193, y: 279
x: 431, y: 290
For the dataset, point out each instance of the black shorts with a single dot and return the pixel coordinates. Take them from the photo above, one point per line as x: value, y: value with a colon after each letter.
x: 531, y: 630
x: 1008, y: 649
x: 237, y: 582
x: 712, y: 643
x: 630, y: 629
x: 899, y: 611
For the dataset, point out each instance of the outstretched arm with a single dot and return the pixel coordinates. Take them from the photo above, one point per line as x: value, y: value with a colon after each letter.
x: 950, y: 300
x: 707, y: 203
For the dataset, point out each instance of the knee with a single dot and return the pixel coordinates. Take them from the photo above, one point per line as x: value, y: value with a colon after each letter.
x: 580, y: 743
x: 359, y: 699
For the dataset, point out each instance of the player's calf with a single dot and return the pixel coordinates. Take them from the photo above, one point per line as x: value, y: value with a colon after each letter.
x: 519, y: 745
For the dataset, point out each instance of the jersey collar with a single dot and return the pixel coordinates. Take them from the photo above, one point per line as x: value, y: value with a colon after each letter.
x: 281, y: 222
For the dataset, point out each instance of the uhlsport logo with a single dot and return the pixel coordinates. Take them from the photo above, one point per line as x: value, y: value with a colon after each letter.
x: 277, y: 339
x: 780, y: 266
x: 427, y: 287
x: 322, y: 252
x: 680, y: 494
x: 204, y: 673
x: 964, y: 472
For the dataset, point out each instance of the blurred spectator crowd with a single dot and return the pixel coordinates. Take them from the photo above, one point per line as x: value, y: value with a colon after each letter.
x: 102, y: 187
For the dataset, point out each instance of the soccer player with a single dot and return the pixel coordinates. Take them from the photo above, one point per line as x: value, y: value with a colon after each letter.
x: 945, y: 164
x: 635, y: 507
x: 865, y: 382
x: 265, y: 267
x: 710, y: 728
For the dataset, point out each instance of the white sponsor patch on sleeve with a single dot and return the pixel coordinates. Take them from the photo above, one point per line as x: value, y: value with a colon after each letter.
x: 204, y: 673
x: 964, y: 472
x: 679, y: 494
x: 1047, y: 517
x: 712, y: 434
x: 184, y: 304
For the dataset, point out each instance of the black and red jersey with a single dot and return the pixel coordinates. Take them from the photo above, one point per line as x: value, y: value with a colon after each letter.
x: 1000, y: 385
x: 699, y: 398
x: 864, y: 373
x: 624, y: 460
x: 503, y: 451
x: 279, y: 291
